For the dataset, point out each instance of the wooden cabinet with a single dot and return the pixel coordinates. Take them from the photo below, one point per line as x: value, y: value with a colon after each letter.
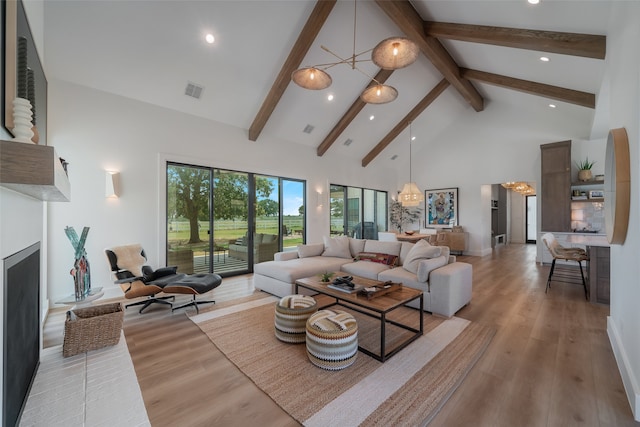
x: 457, y: 242
x: 599, y: 274
x: 555, y: 201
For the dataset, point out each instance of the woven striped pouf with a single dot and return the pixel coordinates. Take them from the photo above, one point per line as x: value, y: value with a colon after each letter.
x: 332, y: 339
x: 292, y: 313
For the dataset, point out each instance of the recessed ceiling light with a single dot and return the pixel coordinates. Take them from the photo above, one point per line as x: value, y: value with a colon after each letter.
x: 544, y: 59
x: 209, y: 38
x: 371, y: 117
x: 552, y: 105
x: 308, y: 129
x: 330, y: 97
x: 348, y: 142
x: 413, y: 138
x: 533, y: 1
x: 395, y: 156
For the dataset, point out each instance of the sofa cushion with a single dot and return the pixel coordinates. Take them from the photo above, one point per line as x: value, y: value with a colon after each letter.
x: 368, y: 270
x: 385, y: 259
x: 305, y: 251
x: 292, y: 270
x: 336, y: 247
x: 426, y: 266
x: 405, y: 277
x: 421, y: 250
x: 391, y: 248
x: 356, y: 246
x: 404, y: 251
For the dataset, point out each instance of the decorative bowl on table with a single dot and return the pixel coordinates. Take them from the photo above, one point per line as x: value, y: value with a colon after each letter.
x: 409, y: 233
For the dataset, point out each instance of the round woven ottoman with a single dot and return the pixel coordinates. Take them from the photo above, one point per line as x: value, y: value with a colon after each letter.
x: 332, y: 339
x: 292, y: 313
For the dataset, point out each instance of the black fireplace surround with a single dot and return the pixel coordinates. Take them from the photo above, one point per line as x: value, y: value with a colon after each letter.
x: 21, y: 347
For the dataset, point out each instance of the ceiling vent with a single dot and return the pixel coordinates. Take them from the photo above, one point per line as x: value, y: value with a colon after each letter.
x: 193, y: 90
x: 308, y: 129
x: 395, y: 156
x: 348, y: 142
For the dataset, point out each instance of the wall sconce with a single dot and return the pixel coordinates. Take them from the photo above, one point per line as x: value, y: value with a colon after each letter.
x: 319, y: 200
x: 112, y: 188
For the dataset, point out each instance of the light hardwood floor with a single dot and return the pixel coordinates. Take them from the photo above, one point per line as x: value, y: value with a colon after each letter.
x: 549, y: 364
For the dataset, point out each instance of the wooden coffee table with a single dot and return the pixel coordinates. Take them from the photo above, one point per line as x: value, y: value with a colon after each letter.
x: 377, y: 307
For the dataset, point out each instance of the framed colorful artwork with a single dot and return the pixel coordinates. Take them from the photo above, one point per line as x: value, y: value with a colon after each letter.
x: 442, y: 207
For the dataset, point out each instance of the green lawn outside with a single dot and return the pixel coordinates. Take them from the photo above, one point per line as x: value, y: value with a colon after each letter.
x: 226, y: 231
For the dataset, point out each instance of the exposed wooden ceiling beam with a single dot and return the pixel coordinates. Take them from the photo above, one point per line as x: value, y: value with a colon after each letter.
x: 413, y: 114
x: 571, y: 96
x: 409, y: 21
x: 586, y: 45
x: 351, y: 114
x: 308, y: 34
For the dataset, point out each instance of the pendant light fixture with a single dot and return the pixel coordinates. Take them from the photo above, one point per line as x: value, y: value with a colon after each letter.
x: 390, y: 54
x: 410, y: 195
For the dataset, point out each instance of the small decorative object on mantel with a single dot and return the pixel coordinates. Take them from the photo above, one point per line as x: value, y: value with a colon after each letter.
x: 22, y: 126
x: 80, y: 271
x: 584, y: 170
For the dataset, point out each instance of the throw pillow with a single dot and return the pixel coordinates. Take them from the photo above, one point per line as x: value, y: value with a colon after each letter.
x: 421, y: 250
x: 385, y: 259
x: 337, y: 247
x: 306, y: 251
x: 426, y: 266
x: 130, y: 258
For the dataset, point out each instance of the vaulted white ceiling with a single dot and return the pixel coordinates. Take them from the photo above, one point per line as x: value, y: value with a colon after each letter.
x: 150, y: 50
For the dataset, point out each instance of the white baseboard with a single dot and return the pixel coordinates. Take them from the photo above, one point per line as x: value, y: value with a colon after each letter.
x: 628, y: 380
x: 482, y: 252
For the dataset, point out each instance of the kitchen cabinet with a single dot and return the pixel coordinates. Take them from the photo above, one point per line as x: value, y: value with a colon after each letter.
x: 555, y: 200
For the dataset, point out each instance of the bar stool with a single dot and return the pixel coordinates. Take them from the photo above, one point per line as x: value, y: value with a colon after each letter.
x: 559, y: 252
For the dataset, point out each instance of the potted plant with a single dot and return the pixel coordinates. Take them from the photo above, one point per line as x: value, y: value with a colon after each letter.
x: 399, y: 215
x: 584, y: 169
x: 326, y: 277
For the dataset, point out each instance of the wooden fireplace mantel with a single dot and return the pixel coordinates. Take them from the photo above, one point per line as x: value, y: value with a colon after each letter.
x: 34, y: 170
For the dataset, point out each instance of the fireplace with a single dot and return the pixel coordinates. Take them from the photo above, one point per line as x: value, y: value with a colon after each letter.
x: 21, y: 347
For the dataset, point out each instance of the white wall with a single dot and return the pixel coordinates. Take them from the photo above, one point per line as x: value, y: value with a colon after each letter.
x: 22, y: 218
x: 623, y: 72
x: 95, y: 131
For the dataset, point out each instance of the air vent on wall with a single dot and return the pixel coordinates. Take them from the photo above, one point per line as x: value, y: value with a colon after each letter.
x: 193, y: 90
x: 348, y: 142
x: 308, y: 129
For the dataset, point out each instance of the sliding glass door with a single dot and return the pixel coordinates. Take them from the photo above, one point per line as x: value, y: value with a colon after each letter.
x: 357, y: 212
x: 226, y: 221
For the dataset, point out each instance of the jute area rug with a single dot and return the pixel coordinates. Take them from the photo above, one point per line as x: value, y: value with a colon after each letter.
x: 408, y: 389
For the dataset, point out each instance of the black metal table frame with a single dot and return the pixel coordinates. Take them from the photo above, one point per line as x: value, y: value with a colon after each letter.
x: 352, y: 305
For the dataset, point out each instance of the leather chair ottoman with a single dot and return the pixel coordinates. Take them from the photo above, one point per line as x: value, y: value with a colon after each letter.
x: 332, y: 339
x: 292, y: 313
x: 193, y: 284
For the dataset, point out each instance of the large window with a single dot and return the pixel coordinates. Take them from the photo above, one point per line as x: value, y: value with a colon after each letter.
x: 357, y: 212
x: 226, y: 221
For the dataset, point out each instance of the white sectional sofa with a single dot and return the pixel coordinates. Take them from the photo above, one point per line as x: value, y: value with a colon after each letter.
x: 446, y: 283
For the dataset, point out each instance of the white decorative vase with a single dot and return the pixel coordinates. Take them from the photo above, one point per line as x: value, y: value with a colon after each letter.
x: 22, y: 120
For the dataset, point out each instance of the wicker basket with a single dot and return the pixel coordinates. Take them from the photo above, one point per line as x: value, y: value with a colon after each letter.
x: 93, y: 328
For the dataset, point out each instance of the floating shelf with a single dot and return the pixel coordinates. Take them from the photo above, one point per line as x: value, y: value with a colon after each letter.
x: 586, y: 183
x: 34, y: 170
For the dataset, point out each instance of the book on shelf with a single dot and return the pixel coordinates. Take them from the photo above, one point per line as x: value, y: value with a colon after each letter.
x: 343, y: 287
